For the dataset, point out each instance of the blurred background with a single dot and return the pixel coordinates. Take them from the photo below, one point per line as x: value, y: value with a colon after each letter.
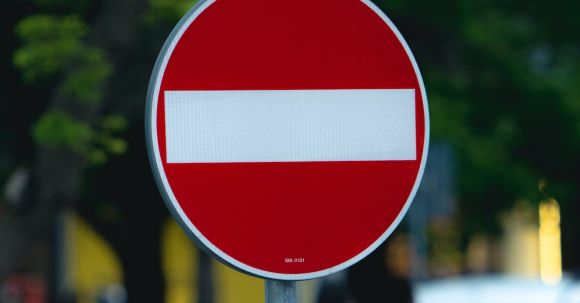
x: 497, y: 217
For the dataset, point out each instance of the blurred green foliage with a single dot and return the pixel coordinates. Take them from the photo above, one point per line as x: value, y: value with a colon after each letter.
x: 57, y: 129
x: 167, y: 10
x: 49, y: 44
x: 502, y: 79
x: 53, y: 45
x: 84, y: 81
x: 56, y: 46
x: 108, y: 139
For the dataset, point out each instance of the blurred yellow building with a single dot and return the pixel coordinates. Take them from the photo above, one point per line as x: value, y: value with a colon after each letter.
x: 85, y: 248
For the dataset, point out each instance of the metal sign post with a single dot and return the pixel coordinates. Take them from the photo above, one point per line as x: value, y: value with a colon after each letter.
x: 280, y: 291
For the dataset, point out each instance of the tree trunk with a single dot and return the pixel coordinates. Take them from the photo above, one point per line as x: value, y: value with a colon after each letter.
x: 205, y: 283
x: 143, y: 276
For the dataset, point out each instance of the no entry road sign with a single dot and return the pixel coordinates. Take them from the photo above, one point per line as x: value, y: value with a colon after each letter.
x: 288, y: 140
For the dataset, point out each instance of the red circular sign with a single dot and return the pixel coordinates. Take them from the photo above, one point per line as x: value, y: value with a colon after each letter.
x: 288, y: 140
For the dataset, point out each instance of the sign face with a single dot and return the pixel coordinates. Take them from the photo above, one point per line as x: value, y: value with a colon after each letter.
x: 288, y: 140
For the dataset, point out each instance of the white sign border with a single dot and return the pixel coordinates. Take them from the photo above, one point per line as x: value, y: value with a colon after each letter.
x: 169, y: 198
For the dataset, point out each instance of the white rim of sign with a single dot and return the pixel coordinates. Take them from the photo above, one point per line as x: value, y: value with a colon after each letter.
x: 169, y: 197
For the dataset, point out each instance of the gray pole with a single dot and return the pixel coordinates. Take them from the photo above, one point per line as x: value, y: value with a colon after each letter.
x: 280, y: 291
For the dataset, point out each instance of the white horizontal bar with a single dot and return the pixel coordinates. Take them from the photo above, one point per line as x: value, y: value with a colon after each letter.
x: 290, y: 125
